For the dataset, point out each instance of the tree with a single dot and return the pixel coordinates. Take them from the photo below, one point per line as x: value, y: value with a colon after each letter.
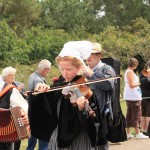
x: 69, y: 15
x: 132, y: 41
x: 20, y: 14
x: 12, y: 49
x: 122, y: 12
x: 45, y: 43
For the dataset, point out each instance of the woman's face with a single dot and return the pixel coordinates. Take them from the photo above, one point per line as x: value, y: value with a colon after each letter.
x: 68, y: 70
x: 10, y: 78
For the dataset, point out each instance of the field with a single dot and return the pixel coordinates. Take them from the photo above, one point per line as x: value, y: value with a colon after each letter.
x: 24, y: 142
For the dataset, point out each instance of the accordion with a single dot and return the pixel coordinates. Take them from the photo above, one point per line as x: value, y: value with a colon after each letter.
x: 11, y: 127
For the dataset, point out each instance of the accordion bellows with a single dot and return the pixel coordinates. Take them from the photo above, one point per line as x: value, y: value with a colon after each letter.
x: 11, y: 127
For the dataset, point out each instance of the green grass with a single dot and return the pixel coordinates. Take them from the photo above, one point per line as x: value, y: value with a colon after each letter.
x: 123, y: 106
x: 24, y: 144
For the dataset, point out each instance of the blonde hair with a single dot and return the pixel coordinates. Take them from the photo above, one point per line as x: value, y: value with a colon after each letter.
x: 8, y: 71
x: 74, y: 61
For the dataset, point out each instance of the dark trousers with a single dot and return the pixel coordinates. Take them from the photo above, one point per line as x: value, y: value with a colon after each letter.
x: 6, y: 146
x: 32, y: 143
x: 17, y: 145
x: 103, y: 147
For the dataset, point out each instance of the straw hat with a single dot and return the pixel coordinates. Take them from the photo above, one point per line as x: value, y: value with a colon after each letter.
x: 96, y: 48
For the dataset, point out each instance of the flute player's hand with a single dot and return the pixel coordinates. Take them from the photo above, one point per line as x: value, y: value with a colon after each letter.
x: 42, y: 87
x: 81, y: 102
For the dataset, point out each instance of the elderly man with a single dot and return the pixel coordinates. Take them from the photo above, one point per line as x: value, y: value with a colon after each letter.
x: 43, y: 69
x: 36, y: 77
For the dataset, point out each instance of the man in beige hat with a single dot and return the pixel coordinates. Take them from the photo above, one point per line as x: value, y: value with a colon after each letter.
x: 96, y: 69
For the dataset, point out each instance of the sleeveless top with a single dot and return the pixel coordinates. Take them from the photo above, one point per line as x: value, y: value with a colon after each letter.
x: 131, y: 94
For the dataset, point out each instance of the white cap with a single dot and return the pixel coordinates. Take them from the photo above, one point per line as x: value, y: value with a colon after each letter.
x: 78, y: 49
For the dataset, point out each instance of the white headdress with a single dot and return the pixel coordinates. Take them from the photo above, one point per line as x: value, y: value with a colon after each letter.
x: 78, y: 49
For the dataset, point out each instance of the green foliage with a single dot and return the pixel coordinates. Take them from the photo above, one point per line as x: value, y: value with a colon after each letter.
x: 20, y: 53
x: 45, y: 43
x: 130, y: 41
x: 140, y: 29
x: 20, y: 14
x: 12, y: 49
x: 123, y: 12
x: 7, y: 37
x: 38, y: 43
x: 69, y: 15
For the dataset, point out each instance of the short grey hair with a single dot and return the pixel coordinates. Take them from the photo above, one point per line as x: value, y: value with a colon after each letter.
x: 44, y: 64
x: 8, y: 71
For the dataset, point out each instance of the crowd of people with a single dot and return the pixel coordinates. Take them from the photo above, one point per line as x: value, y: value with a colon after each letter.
x: 62, y: 116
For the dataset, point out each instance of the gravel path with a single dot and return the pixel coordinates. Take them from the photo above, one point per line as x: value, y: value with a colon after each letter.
x: 132, y: 144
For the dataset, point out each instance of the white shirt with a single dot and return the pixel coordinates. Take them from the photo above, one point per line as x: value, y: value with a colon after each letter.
x: 131, y: 94
x: 16, y: 98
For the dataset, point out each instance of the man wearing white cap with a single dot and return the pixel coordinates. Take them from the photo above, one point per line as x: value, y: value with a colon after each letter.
x: 96, y: 70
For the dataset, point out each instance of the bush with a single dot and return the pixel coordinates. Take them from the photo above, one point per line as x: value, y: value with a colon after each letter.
x: 45, y: 43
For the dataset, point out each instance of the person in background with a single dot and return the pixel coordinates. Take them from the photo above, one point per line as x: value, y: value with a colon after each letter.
x: 133, y: 97
x: 104, y: 90
x: 11, y: 99
x: 145, y: 87
x: 8, y: 76
x: 36, y: 77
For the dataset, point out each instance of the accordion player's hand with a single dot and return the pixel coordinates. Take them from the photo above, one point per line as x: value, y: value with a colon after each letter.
x: 24, y: 117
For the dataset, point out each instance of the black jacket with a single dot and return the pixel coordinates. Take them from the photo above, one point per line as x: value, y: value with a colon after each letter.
x: 145, y: 87
x: 43, y: 115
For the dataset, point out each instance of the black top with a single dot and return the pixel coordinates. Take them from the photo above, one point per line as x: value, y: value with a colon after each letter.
x: 145, y: 87
x: 44, y: 111
x: 5, y: 99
